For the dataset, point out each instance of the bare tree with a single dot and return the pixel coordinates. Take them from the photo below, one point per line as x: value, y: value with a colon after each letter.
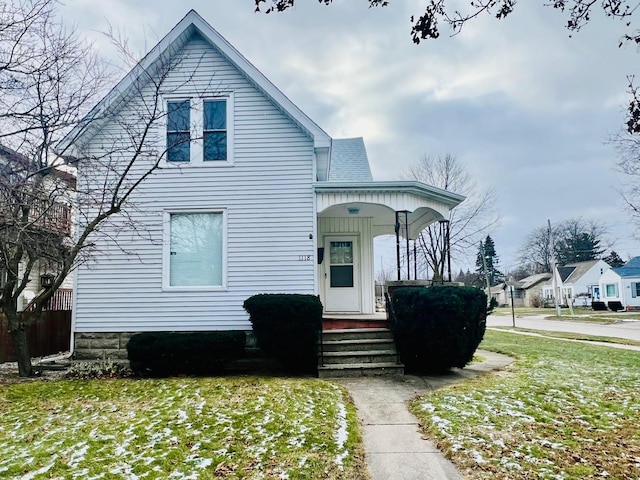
x: 575, y: 240
x: 536, y: 250
x: 469, y: 222
x: 48, y: 77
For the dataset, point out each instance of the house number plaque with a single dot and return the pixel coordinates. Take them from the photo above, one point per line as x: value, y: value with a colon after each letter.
x: 305, y: 258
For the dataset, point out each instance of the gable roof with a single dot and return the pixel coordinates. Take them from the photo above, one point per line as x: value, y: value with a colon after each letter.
x: 565, y: 271
x: 532, y: 280
x: 180, y: 34
x: 579, y: 269
x: 629, y: 269
x: 349, y: 161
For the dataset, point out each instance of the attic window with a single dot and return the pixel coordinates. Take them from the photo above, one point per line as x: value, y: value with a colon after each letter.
x: 200, y: 130
x: 214, y: 131
x: 178, y: 131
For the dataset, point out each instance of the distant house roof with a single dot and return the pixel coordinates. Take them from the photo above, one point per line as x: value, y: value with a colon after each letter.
x: 532, y: 280
x: 565, y: 272
x: 349, y: 162
x: 629, y: 269
x: 578, y: 270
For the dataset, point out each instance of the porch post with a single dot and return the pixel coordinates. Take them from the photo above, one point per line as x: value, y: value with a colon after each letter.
x: 406, y: 236
x: 397, y: 228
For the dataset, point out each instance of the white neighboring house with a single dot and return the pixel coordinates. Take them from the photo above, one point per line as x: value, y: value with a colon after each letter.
x: 578, y: 282
x: 622, y: 284
x: 57, y: 220
x: 281, y: 206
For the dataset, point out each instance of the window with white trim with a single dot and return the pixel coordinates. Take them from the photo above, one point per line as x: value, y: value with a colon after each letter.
x: 196, y: 249
x: 611, y: 290
x: 214, y: 130
x: 179, y: 131
x: 200, y: 130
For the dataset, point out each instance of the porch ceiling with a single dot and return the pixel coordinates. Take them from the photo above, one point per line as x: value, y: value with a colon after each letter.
x: 380, y: 201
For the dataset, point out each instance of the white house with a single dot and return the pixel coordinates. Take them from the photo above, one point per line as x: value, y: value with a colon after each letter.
x: 266, y: 202
x: 622, y: 284
x: 578, y: 282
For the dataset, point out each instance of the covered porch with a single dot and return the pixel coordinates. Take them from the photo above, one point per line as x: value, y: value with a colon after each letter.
x: 350, y: 215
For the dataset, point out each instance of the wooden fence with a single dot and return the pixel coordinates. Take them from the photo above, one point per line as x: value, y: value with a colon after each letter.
x: 47, y: 337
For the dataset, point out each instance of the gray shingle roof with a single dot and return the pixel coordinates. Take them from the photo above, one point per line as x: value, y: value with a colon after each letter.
x: 532, y: 280
x: 349, y: 162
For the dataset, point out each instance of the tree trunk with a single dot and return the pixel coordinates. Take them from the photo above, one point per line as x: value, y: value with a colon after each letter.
x: 18, y: 332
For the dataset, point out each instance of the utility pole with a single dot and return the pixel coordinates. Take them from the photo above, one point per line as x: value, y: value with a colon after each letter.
x: 557, y: 290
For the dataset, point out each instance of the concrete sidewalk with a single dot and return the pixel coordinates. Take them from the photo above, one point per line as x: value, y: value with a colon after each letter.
x: 394, y: 447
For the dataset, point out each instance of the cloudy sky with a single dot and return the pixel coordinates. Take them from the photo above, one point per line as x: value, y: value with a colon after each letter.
x: 527, y: 109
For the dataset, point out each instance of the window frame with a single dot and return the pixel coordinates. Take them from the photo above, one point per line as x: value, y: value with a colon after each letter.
x: 196, y: 156
x: 177, y: 132
x: 166, y: 251
x: 606, y: 290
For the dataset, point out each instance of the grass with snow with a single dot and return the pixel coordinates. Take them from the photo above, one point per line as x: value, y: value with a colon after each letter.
x: 563, y: 410
x: 184, y: 428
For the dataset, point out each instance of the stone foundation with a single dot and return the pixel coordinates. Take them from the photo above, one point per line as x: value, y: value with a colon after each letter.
x: 113, y: 345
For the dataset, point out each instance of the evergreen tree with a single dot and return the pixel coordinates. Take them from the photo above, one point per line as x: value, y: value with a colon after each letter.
x: 613, y: 259
x: 488, y: 251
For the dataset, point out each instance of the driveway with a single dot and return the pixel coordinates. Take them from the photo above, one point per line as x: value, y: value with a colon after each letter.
x: 629, y: 329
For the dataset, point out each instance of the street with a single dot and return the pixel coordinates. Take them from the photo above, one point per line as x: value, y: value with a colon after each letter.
x: 629, y: 329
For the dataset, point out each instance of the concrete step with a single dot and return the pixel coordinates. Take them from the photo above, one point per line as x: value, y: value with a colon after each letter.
x: 358, y: 344
x: 360, y: 370
x: 357, y: 334
x: 360, y: 357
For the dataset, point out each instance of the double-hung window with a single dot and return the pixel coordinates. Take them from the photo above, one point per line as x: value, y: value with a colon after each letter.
x: 611, y: 290
x: 200, y: 130
x: 214, y: 131
x: 179, y: 131
x: 195, y: 249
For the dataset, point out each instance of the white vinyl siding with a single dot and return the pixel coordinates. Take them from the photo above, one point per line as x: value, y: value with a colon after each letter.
x: 267, y: 197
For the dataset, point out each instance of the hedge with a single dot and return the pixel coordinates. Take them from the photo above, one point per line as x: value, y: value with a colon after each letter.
x: 161, y: 354
x: 287, y: 327
x: 439, y: 327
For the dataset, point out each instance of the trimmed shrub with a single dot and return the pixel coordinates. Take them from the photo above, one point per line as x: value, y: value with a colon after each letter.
x: 615, y: 306
x: 160, y: 354
x: 287, y: 328
x: 601, y: 306
x: 439, y: 327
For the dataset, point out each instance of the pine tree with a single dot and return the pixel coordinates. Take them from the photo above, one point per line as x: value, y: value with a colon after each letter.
x: 488, y: 251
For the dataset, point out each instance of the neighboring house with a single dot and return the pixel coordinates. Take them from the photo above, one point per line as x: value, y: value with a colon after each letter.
x: 44, y: 218
x: 578, y: 282
x: 279, y: 205
x: 526, y: 292
x: 622, y: 284
x: 501, y: 293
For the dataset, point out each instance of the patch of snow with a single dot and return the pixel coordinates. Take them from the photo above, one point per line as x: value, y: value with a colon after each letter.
x: 341, y: 435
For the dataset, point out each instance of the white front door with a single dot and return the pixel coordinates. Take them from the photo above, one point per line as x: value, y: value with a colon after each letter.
x: 341, y: 273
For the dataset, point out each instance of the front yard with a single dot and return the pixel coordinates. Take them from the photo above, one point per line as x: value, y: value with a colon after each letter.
x: 564, y: 410
x: 184, y: 428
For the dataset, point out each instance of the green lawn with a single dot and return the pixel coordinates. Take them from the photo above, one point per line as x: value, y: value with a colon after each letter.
x: 579, y: 313
x: 573, y: 336
x: 562, y: 411
x: 185, y: 428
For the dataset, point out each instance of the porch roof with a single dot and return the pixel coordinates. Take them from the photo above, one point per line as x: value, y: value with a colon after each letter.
x: 380, y: 201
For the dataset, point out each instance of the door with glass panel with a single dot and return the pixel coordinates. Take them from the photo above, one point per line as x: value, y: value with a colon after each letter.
x: 341, y: 271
